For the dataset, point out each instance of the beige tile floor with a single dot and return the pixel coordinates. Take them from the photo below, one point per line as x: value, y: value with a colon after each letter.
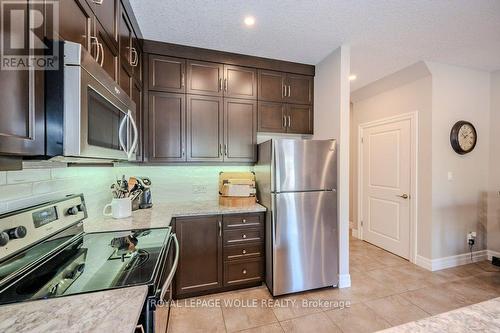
x: 386, y: 291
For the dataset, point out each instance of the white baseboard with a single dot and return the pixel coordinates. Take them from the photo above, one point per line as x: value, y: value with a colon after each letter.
x: 492, y: 253
x: 344, y: 280
x: 355, y: 233
x: 451, y: 261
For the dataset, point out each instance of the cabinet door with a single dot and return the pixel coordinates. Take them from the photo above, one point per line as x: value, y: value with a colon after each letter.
x: 105, y: 11
x: 240, y: 82
x: 167, y: 74
x: 271, y: 117
x: 22, y: 117
x: 200, y: 260
x: 300, y: 89
x: 204, y: 78
x: 75, y: 22
x: 125, y: 39
x: 125, y: 80
x: 167, y: 116
x: 204, y: 128
x: 108, y: 57
x: 137, y: 98
x: 271, y: 86
x: 300, y: 119
x: 240, y: 130
x: 136, y: 59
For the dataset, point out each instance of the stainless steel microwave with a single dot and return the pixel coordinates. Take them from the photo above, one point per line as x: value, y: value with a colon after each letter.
x: 88, y: 116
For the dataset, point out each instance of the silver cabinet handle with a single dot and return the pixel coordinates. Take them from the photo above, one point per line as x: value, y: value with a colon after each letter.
x: 404, y: 196
x: 170, y: 276
x: 182, y: 80
x: 225, y: 149
x: 95, y: 41
x: 283, y: 91
x: 220, y: 229
x: 284, y: 121
x: 289, y: 121
x: 289, y: 91
x: 98, y: 2
x: 134, y: 56
x: 225, y: 84
x: 244, y: 272
x: 220, y: 149
x: 244, y: 236
x: 220, y: 85
x: 102, y: 53
x: 136, y: 136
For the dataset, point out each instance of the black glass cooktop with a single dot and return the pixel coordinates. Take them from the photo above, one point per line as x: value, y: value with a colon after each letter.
x: 92, y: 262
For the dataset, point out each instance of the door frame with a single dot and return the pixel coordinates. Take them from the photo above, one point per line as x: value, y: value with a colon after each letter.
x: 413, y: 118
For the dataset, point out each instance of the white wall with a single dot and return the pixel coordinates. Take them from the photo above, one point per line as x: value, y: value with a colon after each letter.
x: 493, y: 241
x: 459, y: 205
x: 331, y: 121
x: 402, y: 97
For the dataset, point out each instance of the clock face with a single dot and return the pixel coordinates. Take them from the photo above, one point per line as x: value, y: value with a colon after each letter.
x: 466, y: 137
x: 463, y: 137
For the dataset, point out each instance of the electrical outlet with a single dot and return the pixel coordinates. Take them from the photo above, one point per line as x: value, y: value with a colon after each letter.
x: 199, y: 189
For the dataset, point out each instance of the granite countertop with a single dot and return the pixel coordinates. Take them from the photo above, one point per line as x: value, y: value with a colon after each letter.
x: 114, y: 310
x: 161, y: 215
x: 481, y: 317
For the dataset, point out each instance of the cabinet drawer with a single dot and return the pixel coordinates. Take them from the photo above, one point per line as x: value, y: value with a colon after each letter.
x: 238, y: 252
x: 242, y: 236
x: 242, y: 221
x: 244, y: 271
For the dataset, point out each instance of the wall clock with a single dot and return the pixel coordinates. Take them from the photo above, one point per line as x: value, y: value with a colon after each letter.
x: 463, y: 137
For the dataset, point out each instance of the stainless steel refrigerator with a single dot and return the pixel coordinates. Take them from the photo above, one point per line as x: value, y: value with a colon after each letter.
x: 297, y: 182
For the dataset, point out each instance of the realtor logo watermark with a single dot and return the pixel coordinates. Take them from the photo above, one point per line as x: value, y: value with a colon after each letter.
x: 28, y: 29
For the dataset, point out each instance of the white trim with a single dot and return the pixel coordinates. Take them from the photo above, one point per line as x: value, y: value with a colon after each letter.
x: 344, y: 280
x: 413, y: 117
x: 355, y: 233
x: 451, y: 261
x: 492, y: 253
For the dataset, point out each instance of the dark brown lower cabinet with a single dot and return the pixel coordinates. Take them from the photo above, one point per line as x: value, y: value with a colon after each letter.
x: 200, y: 260
x: 167, y: 127
x: 219, y: 253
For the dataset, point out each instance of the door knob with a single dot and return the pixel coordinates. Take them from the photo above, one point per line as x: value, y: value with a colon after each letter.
x: 404, y: 196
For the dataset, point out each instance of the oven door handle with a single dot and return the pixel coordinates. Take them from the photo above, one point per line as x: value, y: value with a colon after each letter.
x: 120, y: 134
x: 135, y: 142
x: 170, y: 276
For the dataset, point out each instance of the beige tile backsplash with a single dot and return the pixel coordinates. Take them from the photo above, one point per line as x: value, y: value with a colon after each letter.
x: 19, y: 189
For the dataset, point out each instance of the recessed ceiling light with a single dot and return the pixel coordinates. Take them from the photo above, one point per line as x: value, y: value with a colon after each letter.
x: 249, y: 21
x: 352, y: 77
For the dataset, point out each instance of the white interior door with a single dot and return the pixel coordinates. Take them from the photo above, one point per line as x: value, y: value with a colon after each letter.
x: 386, y: 185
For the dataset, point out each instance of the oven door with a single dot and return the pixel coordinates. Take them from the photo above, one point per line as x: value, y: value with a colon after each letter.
x: 104, y: 127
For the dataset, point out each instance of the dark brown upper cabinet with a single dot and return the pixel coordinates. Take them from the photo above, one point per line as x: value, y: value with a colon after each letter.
x: 240, y: 82
x: 272, y: 117
x: 167, y: 74
x: 204, y: 128
x: 299, y: 119
x: 205, y: 78
x: 125, y: 33
x: 299, y: 89
x: 167, y: 125
x: 136, y: 57
x: 22, y: 117
x: 105, y: 12
x: 240, y: 130
x: 75, y: 22
x: 200, y: 262
x: 107, y: 53
x: 271, y: 86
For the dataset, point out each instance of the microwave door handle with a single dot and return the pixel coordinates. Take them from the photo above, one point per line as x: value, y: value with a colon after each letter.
x: 120, y: 134
x: 170, y: 276
x: 136, y: 136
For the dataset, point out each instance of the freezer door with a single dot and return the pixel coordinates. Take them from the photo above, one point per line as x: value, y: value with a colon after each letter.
x: 305, y: 246
x: 305, y: 165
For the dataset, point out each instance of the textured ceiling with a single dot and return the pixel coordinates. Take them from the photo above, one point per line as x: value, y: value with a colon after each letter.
x: 385, y: 35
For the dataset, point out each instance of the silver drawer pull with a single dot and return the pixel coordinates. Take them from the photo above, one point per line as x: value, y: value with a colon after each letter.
x: 244, y: 272
x: 244, y: 221
x: 244, y: 236
x: 244, y: 251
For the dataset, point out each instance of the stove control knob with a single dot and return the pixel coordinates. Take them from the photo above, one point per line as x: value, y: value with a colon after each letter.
x: 73, y: 211
x: 16, y: 233
x: 4, y: 238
